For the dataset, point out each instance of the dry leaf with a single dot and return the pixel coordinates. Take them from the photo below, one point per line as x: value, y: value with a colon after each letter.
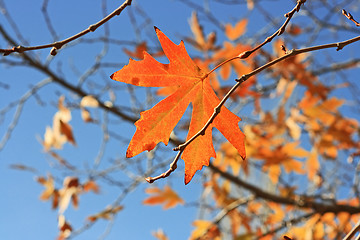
x: 160, y: 235
x: 89, y: 101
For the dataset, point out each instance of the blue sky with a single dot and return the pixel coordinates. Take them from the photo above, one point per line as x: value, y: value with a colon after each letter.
x: 22, y: 214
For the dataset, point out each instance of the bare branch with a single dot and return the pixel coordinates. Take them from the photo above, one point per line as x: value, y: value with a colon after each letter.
x: 57, y: 45
x: 350, y: 17
x: 280, y: 31
x: 353, y: 231
x: 299, y: 201
x: 19, y: 109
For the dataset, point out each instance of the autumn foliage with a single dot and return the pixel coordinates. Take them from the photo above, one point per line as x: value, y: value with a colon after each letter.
x: 278, y: 134
x: 189, y: 85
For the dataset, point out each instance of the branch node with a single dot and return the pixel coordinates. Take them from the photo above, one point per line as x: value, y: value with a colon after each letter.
x: 339, y: 46
x: 179, y: 148
x: 217, y: 110
x: 53, y: 51
x: 58, y: 45
x: 92, y: 28
x: 242, y: 79
x: 290, y: 52
x: 245, y: 54
x: 350, y: 17
x: 149, y: 179
x: 281, y: 31
x: 19, y: 49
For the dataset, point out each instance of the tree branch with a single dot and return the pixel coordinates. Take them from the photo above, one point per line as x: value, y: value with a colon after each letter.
x: 299, y: 201
x: 57, y: 45
x: 280, y: 31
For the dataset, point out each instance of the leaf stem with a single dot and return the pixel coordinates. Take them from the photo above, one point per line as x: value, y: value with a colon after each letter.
x: 221, y: 64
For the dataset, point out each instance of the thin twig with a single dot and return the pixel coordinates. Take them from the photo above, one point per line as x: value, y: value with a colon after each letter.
x: 352, y: 63
x: 353, y: 231
x: 350, y: 17
x: 280, y: 31
x: 172, y: 168
x: 62, y: 82
x: 48, y: 20
x: 235, y: 204
x: 19, y: 109
x: 57, y: 45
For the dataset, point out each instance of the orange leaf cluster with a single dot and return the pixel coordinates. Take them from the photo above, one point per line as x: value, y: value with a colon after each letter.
x: 222, y: 197
x: 326, y: 226
x: 294, y: 69
x: 228, y: 157
x: 266, y: 141
x: 69, y: 192
x: 61, y: 198
x: 329, y: 130
x: 205, y: 230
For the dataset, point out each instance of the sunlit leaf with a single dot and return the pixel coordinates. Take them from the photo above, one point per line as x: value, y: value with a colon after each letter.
x: 156, y: 124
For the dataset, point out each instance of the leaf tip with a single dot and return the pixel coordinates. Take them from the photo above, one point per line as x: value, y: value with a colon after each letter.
x: 187, y: 178
x: 156, y: 29
x: 129, y: 154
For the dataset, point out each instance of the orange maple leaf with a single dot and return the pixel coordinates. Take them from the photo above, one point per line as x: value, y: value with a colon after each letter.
x: 235, y: 32
x: 156, y: 124
x: 167, y: 197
